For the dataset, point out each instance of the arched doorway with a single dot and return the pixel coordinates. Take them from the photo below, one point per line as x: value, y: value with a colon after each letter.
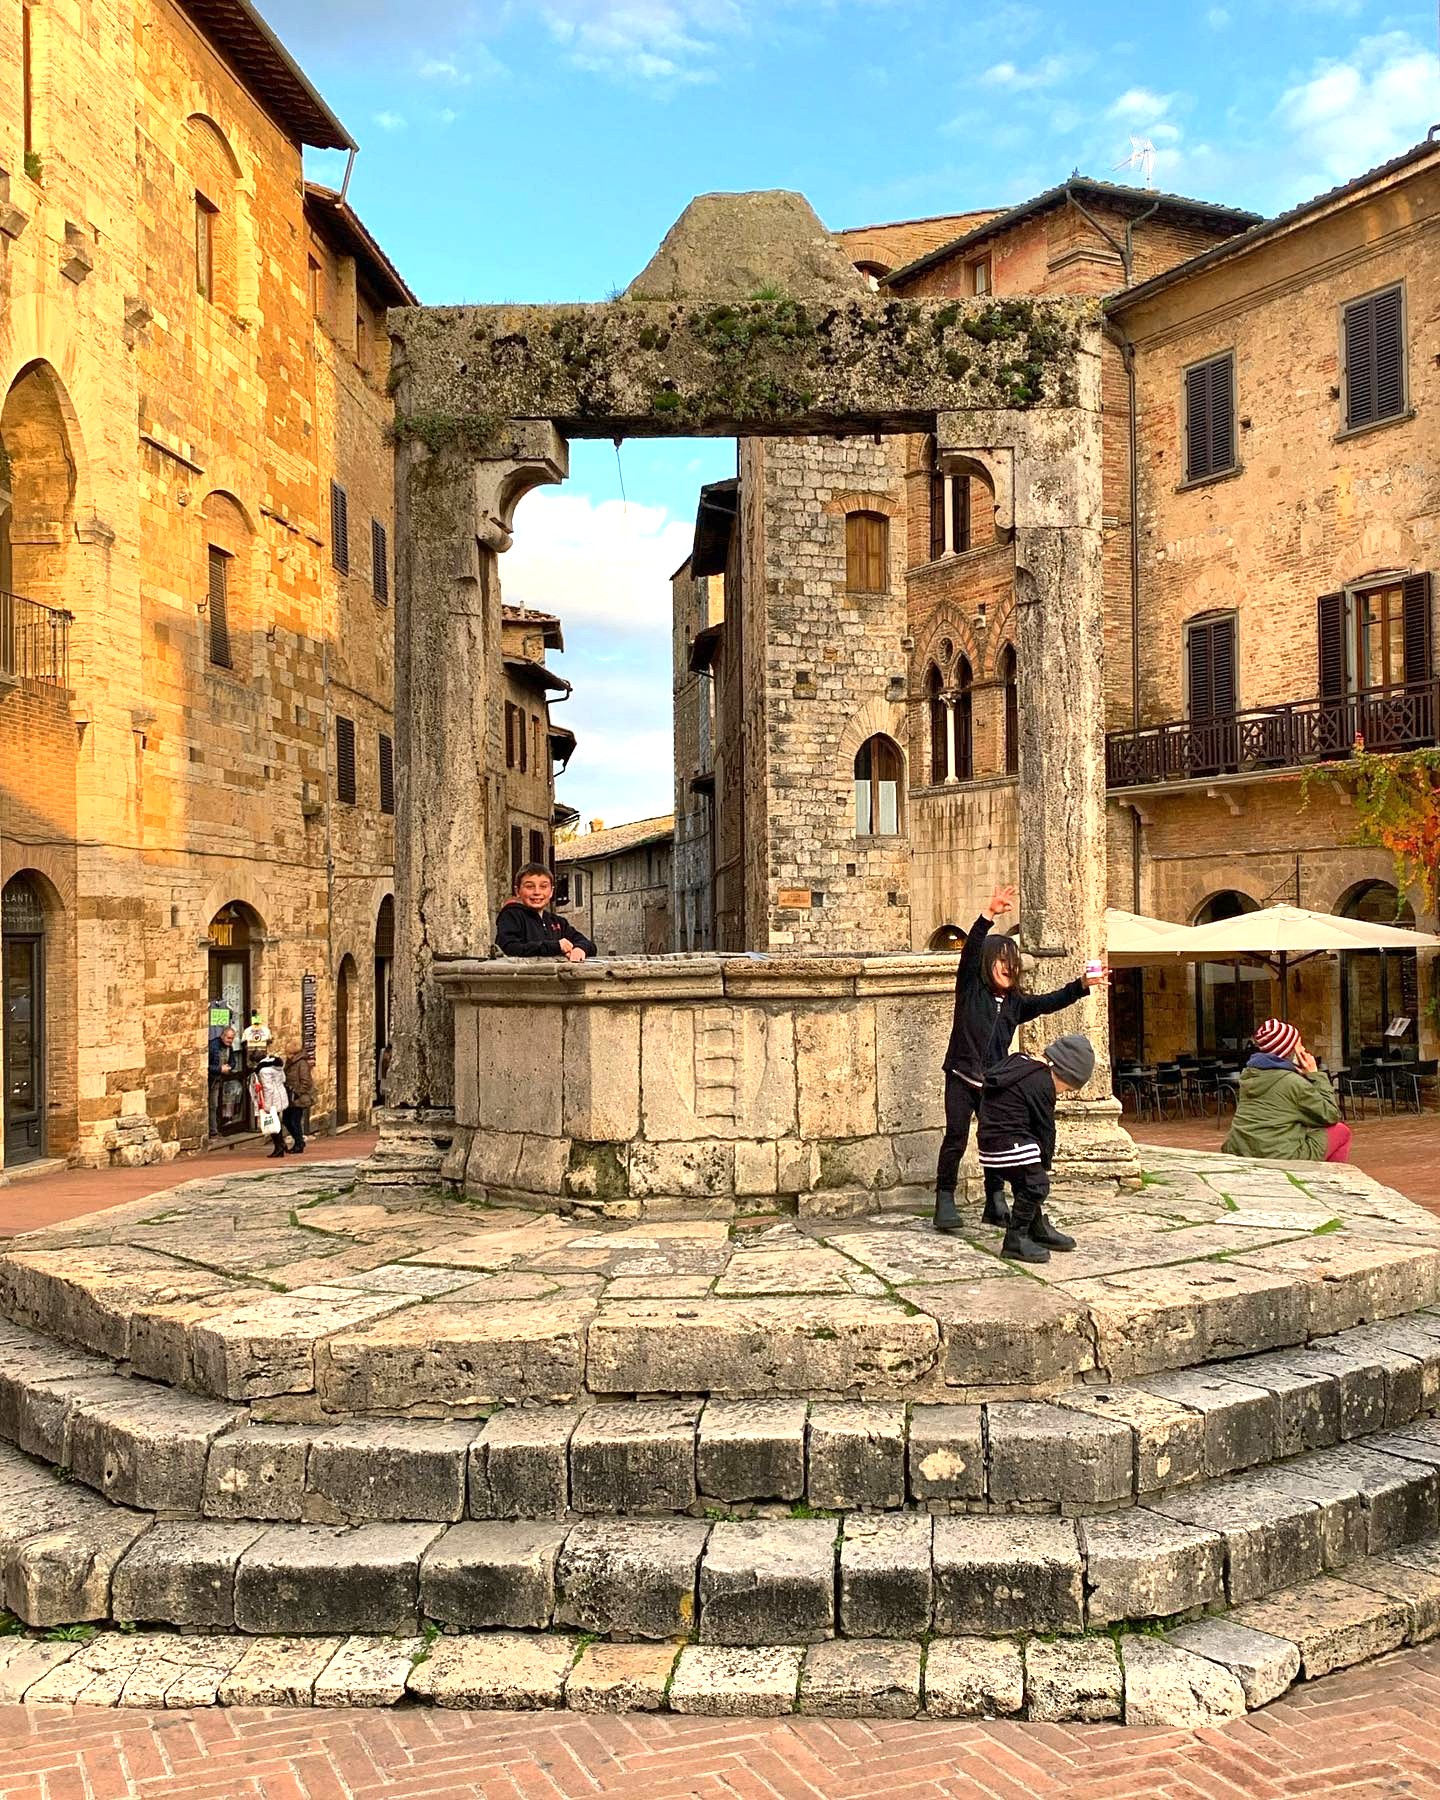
x: 235, y: 935
x: 1377, y: 987
x: 22, y: 944
x: 1230, y: 998
x: 346, y: 1041
x: 384, y: 962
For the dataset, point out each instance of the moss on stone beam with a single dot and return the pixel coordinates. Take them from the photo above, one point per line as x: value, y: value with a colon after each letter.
x: 774, y: 365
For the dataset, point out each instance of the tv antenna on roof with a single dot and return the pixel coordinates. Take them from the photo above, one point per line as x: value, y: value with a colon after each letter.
x: 1142, y: 157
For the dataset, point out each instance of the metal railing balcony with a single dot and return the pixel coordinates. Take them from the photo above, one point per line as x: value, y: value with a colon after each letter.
x: 1275, y: 737
x: 34, y: 641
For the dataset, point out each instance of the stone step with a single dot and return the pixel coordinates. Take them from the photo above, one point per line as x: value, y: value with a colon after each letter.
x: 1190, y: 1676
x: 68, y: 1554
x: 1089, y: 1451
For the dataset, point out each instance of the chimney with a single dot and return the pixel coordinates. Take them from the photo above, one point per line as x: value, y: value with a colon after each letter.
x: 597, y: 824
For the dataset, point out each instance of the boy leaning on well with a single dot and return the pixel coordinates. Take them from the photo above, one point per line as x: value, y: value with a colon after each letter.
x: 527, y: 927
x: 1016, y: 1139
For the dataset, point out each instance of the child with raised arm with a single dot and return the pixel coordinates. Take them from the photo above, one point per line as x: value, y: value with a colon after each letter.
x: 1017, y: 1138
x: 990, y: 1004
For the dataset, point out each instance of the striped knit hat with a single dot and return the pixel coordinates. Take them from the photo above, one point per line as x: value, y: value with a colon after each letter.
x: 1276, y: 1037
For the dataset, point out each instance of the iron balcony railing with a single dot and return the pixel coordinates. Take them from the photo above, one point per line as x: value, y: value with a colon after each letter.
x: 34, y: 641
x: 1275, y: 737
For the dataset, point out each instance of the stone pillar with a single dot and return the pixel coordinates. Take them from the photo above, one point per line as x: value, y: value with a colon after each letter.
x: 1045, y: 467
x: 454, y: 510
x: 952, y: 768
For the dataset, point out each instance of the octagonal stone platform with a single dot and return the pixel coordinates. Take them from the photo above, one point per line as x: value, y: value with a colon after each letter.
x: 288, y: 1293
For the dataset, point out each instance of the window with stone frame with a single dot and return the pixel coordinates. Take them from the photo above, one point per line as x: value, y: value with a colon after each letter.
x: 879, y: 781
x: 379, y: 562
x: 212, y: 175
x: 339, y: 528
x: 217, y: 607
x: 965, y: 722
x: 1374, y: 346
x: 387, y: 773
x: 1210, y: 418
x: 937, y: 711
x: 1009, y: 678
x: 206, y: 213
x: 867, y: 553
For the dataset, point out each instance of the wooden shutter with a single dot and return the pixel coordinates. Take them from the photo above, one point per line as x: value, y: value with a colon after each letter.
x: 1010, y: 670
x: 217, y: 608
x: 866, y: 542
x: 345, y: 759
x: 960, y: 509
x: 937, y: 516
x: 509, y: 734
x: 1330, y: 636
x: 379, y: 564
x: 1210, y: 418
x: 1210, y: 667
x: 1418, y: 627
x: 537, y: 846
x: 517, y: 854
x: 964, y: 725
x: 339, y: 528
x: 1374, y: 358
x: 387, y: 774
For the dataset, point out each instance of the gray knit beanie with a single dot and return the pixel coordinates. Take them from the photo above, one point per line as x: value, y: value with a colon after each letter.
x: 1072, y: 1057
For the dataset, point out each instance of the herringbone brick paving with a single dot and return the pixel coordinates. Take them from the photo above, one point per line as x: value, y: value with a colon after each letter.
x: 1370, y: 1734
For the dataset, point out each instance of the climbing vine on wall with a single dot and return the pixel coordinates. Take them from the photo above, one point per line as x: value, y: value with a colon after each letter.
x: 1397, y: 808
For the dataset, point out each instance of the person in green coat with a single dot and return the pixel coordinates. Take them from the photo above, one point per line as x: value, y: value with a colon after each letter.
x: 1287, y: 1107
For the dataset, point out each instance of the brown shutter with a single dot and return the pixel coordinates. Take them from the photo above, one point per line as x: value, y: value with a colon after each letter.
x: 1418, y: 627
x: 1199, y: 670
x: 517, y: 854
x: 964, y: 723
x: 339, y: 528
x: 387, y: 774
x: 937, y: 515
x: 217, y: 609
x: 345, y: 759
x: 537, y: 846
x: 379, y: 563
x: 865, y: 552
x: 509, y: 735
x: 1360, y: 363
x: 1222, y: 414
x: 1223, y: 683
x: 1330, y: 636
x: 960, y: 506
x: 1197, y: 424
x: 1389, y: 354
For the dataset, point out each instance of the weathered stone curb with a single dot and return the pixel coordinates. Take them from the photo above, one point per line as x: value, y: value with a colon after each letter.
x: 1196, y: 1675
x: 1088, y: 1452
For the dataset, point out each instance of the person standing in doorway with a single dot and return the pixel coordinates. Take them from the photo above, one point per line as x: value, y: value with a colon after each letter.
x: 300, y: 1095
x: 990, y: 1004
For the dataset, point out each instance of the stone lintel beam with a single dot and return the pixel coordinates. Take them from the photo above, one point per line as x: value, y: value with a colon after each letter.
x: 665, y: 368
x: 455, y: 511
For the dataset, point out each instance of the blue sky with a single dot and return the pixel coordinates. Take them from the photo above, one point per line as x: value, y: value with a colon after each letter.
x: 539, y: 150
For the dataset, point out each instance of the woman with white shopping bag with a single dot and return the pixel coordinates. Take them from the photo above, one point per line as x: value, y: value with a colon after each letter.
x: 268, y: 1093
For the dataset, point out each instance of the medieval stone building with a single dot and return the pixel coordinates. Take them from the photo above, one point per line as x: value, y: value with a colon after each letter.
x: 528, y: 815
x: 196, y: 647
x: 1265, y: 454
x: 614, y: 885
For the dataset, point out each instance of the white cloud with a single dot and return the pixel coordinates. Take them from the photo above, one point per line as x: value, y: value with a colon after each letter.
x: 595, y: 562
x: 1360, y: 110
x: 652, y: 41
x: 1217, y: 18
x: 1140, y: 105
x: 1048, y: 72
x: 442, y: 68
x: 389, y: 121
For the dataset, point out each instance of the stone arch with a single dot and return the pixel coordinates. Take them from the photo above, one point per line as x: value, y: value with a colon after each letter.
x: 33, y: 909
x: 39, y: 480
x: 854, y: 500
x: 991, y: 504
x: 958, y: 632
x: 1229, y: 998
x: 882, y: 718
x: 1000, y: 631
x: 348, y: 1099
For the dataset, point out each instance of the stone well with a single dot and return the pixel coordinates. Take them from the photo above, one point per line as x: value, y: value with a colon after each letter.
x: 702, y: 1086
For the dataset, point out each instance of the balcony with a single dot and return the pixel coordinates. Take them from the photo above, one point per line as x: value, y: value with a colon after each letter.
x: 34, y: 641
x: 1274, y: 737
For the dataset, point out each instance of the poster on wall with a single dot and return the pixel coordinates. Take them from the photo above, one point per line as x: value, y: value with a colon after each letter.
x: 309, y: 989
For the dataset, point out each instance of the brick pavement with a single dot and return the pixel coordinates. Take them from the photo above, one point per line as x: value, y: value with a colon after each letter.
x: 1370, y: 1734
x: 29, y: 1202
x: 1402, y: 1149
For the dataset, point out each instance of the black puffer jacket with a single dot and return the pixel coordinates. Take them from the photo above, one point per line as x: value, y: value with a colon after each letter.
x: 986, y: 1022
x: 1017, y: 1109
x: 521, y: 931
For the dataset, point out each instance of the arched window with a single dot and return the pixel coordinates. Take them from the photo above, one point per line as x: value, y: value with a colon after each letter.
x: 879, y: 771
x: 1376, y: 986
x: 1012, y: 710
x: 939, y: 727
x: 226, y: 592
x: 867, y: 552
x: 1230, y: 998
x: 212, y: 172
x: 964, y: 723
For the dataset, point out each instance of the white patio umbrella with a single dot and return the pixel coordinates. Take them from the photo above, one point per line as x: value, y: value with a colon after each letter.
x: 1282, y: 936
x: 1133, y: 939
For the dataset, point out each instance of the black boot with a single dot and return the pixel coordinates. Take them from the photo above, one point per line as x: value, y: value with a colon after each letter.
x: 996, y: 1212
x: 1019, y: 1246
x: 1043, y: 1232
x: 947, y: 1217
